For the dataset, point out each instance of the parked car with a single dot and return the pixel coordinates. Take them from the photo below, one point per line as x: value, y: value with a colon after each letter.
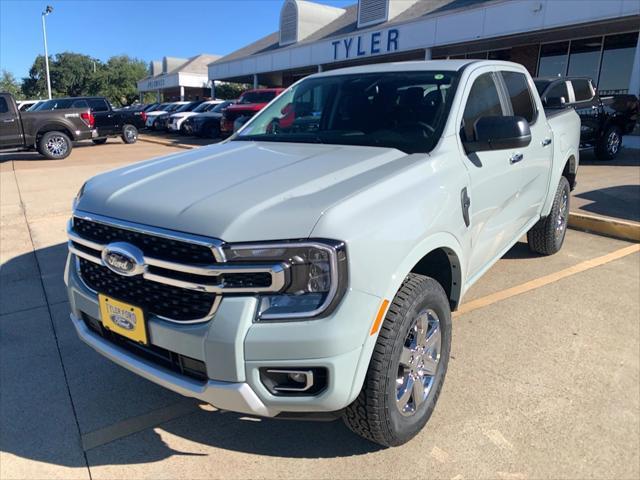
x: 162, y: 109
x: 109, y: 122
x: 177, y: 119
x: 604, y: 119
x: 24, y: 105
x: 206, y: 124
x: 249, y: 103
x: 51, y: 133
x: 162, y: 121
x: 309, y: 266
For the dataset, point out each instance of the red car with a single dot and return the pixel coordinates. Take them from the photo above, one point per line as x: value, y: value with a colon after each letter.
x: 249, y: 103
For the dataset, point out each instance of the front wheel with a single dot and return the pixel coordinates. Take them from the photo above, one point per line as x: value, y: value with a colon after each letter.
x: 129, y: 134
x: 408, y: 365
x: 547, y: 236
x: 55, y: 145
x: 609, y: 146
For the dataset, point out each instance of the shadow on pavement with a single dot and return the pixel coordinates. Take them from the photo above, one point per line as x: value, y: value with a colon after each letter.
x: 622, y: 201
x: 628, y: 157
x: 39, y: 422
x: 21, y: 155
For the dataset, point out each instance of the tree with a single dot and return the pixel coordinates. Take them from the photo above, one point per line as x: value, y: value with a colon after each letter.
x: 72, y: 75
x: 230, y: 91
x: 119, y: 79
x: 9, y: 84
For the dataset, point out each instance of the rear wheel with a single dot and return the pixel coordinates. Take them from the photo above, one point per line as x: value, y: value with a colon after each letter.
x: 547, y: 236
x: 129, y: 134
x: 408, y: 365
x: 609, y: 146
x: 55, y: 145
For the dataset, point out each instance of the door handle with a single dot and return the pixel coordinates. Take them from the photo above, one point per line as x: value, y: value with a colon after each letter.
x: 11, y: 120
x: 546, y: 141
x: 515, y: 158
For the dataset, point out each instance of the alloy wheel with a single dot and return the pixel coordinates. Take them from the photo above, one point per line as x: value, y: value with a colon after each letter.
x: 613, y: 143
x: 418, y: 362
x: 57, y: 146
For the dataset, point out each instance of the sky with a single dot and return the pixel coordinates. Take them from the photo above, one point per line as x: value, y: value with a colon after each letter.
x: 144, y: 29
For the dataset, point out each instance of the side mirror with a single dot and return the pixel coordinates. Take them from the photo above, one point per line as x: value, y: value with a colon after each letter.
x: 555, y: 102
x: 499, y: 133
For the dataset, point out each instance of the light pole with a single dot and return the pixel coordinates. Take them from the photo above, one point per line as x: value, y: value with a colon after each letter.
x: 47, y: 11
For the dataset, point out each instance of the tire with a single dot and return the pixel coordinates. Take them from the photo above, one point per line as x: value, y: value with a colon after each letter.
x: 609, y: 146
x: 547, y: 236
x: 99, y: 141
x: 210, y: 131
x: 129, y: 134
x: 378, y: 414
x: 55, y: 145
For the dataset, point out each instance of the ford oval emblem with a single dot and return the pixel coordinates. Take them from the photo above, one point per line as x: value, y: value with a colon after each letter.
x: 123, y: 259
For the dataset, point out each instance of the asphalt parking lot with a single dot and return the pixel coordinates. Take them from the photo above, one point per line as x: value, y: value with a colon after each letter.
x: 544, y: 380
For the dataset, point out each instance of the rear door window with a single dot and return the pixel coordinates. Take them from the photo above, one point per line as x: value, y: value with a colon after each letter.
x: 4, y: 107
x: 483, y: 101
x: 79, y: 104
x: 98, y: 105
x: 520, y: 95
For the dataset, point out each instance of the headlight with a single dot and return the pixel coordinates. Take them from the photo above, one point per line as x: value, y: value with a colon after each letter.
x: 316, y: 276
x: 78, y: 196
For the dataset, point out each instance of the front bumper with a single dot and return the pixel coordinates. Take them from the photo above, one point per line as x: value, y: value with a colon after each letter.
x: 234, y: 348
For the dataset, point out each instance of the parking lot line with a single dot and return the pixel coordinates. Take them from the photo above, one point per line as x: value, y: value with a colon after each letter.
x: 546, y: 280
x: 137, y: 424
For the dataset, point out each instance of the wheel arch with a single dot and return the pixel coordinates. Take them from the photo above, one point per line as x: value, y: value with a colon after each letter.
x: 443, y: 265
x: 53, y: 127
x: 570, y: 170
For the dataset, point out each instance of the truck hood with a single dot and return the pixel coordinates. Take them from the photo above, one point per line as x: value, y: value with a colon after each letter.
x: 237, y: 191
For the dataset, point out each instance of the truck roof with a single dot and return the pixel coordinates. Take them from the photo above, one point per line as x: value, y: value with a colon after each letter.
x: 420, y: 65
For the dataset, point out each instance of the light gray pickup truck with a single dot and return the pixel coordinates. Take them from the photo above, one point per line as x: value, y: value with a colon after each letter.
x: 308, y: 266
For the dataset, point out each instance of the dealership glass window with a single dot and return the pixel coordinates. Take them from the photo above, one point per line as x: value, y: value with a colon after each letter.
x: 553, y: 59
x: 584, y: 58
x: 521, y: 99
x: 500, y: 55
x: 477, y: 55
x: 617, y: 63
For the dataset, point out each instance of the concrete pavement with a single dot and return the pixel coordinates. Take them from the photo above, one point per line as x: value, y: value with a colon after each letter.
x: 542, y: 384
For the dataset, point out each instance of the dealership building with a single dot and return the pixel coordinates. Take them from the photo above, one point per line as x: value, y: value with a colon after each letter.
x: 595, y: 38
x: 173, y: 79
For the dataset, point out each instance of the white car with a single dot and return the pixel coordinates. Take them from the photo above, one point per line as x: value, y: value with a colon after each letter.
x: 164, y: 108
x: 177, y: 119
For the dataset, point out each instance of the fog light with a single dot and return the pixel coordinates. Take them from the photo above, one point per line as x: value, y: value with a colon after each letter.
x: 294, y: 381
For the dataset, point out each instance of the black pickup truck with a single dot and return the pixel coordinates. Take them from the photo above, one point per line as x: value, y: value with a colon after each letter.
x: 50, y: 133
x: 109, y: 122
x: 604, y: 119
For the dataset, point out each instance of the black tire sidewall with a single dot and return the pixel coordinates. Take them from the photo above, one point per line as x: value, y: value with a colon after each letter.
x: 555, y: 211
x: 602, y: 151
x: 403, y: 427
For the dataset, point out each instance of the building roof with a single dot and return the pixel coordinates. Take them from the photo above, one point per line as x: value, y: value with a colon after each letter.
x: 348, y: 23
x: 197, y: 64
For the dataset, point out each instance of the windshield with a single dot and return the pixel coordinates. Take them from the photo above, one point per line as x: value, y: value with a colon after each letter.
x: 187, y: 107
x: 403, y: 110
x: 256, y: 97
x: 203, y: 107
x: 219, y: 108
x: 172, y: 107
x: 541, y: 85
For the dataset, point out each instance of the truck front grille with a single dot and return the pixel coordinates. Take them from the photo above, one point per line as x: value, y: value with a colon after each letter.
x: 175, y: 303
x: 156, y: 246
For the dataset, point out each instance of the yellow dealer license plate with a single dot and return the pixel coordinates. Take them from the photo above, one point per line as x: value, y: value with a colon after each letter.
x: 123, y: 319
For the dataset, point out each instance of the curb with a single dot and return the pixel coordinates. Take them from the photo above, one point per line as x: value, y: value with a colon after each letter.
x: 608, y: 227
x: 167, y: 143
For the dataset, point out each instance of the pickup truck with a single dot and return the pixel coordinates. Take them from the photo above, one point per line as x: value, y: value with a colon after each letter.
x: 50, y: 133
x: 249, y: 103
x: 310, y: 270
x: 604, y: 119
x: 109, y: 122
